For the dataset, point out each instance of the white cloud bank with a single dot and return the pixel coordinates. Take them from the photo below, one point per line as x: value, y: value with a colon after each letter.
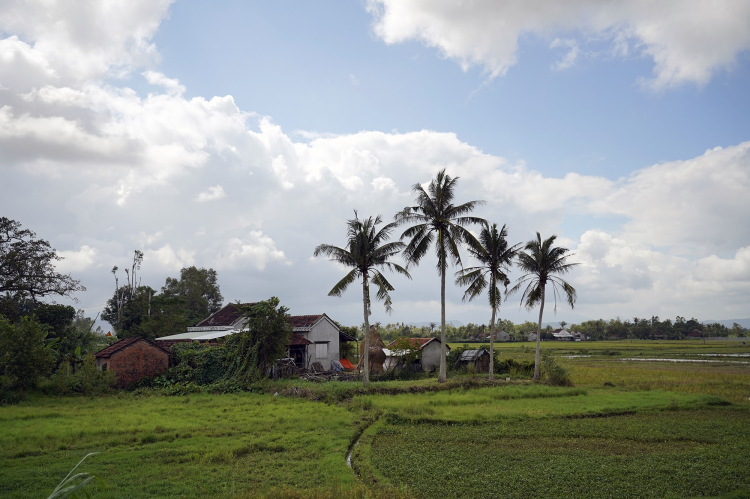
x: 111, y: 169
x: 688, y: 41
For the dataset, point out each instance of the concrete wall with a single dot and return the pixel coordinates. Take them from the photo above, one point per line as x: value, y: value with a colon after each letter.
x: 323, y: 332
x: 431, y: 355
x: 136, y: 361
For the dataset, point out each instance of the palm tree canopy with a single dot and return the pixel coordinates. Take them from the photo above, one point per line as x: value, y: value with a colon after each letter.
x: 495, y: 256
x: 542, y: 263
x: 433, y: 214
x: 366, y: 253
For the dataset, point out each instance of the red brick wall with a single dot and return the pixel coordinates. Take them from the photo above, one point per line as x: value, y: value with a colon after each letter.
x: 137, y: 361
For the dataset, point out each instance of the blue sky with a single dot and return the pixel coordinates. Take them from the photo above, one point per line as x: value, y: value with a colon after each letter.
x: 294, y: 62
x: 240, y: 135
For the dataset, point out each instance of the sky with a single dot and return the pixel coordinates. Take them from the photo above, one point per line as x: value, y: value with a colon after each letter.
x: 240, y: 135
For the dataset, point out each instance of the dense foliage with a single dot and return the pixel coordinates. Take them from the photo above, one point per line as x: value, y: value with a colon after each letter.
x: 25, y: 357
x: 27, y: 265
x: 135, y: 310
x: 264, y: 339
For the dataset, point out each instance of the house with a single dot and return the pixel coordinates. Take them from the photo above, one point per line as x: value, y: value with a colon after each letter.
x: 563, y: 335
x: 429, y: 349
x: 323, y: 336
x: 480, y: 359
x: 315, y: 338
x: 531, y: 336
x: 695, y: 333
x: 132, y: 359
x: 501, y: 336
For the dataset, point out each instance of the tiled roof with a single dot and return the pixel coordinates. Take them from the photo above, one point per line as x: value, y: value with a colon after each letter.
x: 417, y: 343
x: 227, y: 316
x: 116, y: 347
x: 299, y: 340
x: 304, y: 320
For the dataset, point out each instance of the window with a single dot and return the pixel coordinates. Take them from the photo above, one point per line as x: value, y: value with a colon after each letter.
x: 321, y: 350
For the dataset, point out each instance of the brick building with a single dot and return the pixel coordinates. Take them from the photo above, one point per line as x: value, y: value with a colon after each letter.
x: 132, y: 359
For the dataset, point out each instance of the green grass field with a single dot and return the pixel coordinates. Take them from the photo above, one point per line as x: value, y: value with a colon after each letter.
x: 658, y: 429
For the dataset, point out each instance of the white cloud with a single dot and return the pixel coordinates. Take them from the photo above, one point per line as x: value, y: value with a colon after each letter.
x: 353, y: 80
x: 216, y: 192
x: 256, y: 250
x: 687, y: 42
x: 170, y: 85
x: 570, y: 57
x: 168, y: 259
x: 76, y: 261
x: 117, y: 169
x: 62, y: 42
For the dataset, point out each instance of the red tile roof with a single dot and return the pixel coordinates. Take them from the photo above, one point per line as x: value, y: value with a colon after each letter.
x: 417, y: 343
x: 304, y: 320
x: 116, y: 347
x: 227, y: 316
x: 299, y: 340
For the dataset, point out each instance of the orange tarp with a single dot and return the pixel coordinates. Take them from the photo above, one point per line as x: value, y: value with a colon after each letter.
x: 346, y: 364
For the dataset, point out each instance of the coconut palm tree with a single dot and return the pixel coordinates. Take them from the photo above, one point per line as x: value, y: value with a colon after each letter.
x: 542, y: 264
x: 495, y: 257
x: 366, y: 252
x: 436, y: 219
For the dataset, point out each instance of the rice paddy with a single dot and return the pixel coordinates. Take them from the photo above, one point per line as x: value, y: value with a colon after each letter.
x: 630, y: 428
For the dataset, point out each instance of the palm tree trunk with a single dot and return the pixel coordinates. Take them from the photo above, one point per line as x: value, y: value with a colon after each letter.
x: 492, y: 345
x: 538, y: 338
x: 366, y: 350
x: 443, y: 377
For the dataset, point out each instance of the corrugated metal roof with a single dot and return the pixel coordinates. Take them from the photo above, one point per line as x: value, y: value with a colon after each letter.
x: 472, y: 355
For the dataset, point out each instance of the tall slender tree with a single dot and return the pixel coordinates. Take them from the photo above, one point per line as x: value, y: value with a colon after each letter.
x: 367, y: 252
x: 542, y: 264
x: 495, y: 257
x: 436, y: 219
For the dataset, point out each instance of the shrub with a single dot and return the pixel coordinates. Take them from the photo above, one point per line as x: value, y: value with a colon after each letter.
x: 553, y: 373
x: 86, y: 379
x: 25, y: 357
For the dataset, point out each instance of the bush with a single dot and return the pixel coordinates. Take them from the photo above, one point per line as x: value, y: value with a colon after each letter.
x: 86, y: 379
x: 25, y: 357
x: 553, y: 373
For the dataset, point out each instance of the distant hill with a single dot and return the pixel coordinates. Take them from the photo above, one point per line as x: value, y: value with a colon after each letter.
x: 427, y: 324
x: 730, y: 322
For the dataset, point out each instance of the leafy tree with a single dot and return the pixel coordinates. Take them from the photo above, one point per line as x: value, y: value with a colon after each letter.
x: 367, y: 253
x: 495, y: 256
x: 263, y: 340
x: 165, y: 316
x: 24, y: 355
x: 199, y: 290
x: 437, y: 220
x: 27, y: 265
x: 542, y: 263
x: 127, y: 310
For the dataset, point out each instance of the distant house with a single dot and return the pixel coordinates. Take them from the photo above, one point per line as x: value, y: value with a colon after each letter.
x: 480, y: 359
x: 531, y: 336
x: 315, y: 338
x: 132, y: 359
x: 695, y: 333
x: 501, y: 336
x: 563, y: 335
x: 429, y: 349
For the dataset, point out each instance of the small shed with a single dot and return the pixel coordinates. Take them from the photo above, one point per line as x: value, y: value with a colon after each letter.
x: 501, y: 336
x: 480, y: 359
x: 132, y: 359
x: 430, y: 352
